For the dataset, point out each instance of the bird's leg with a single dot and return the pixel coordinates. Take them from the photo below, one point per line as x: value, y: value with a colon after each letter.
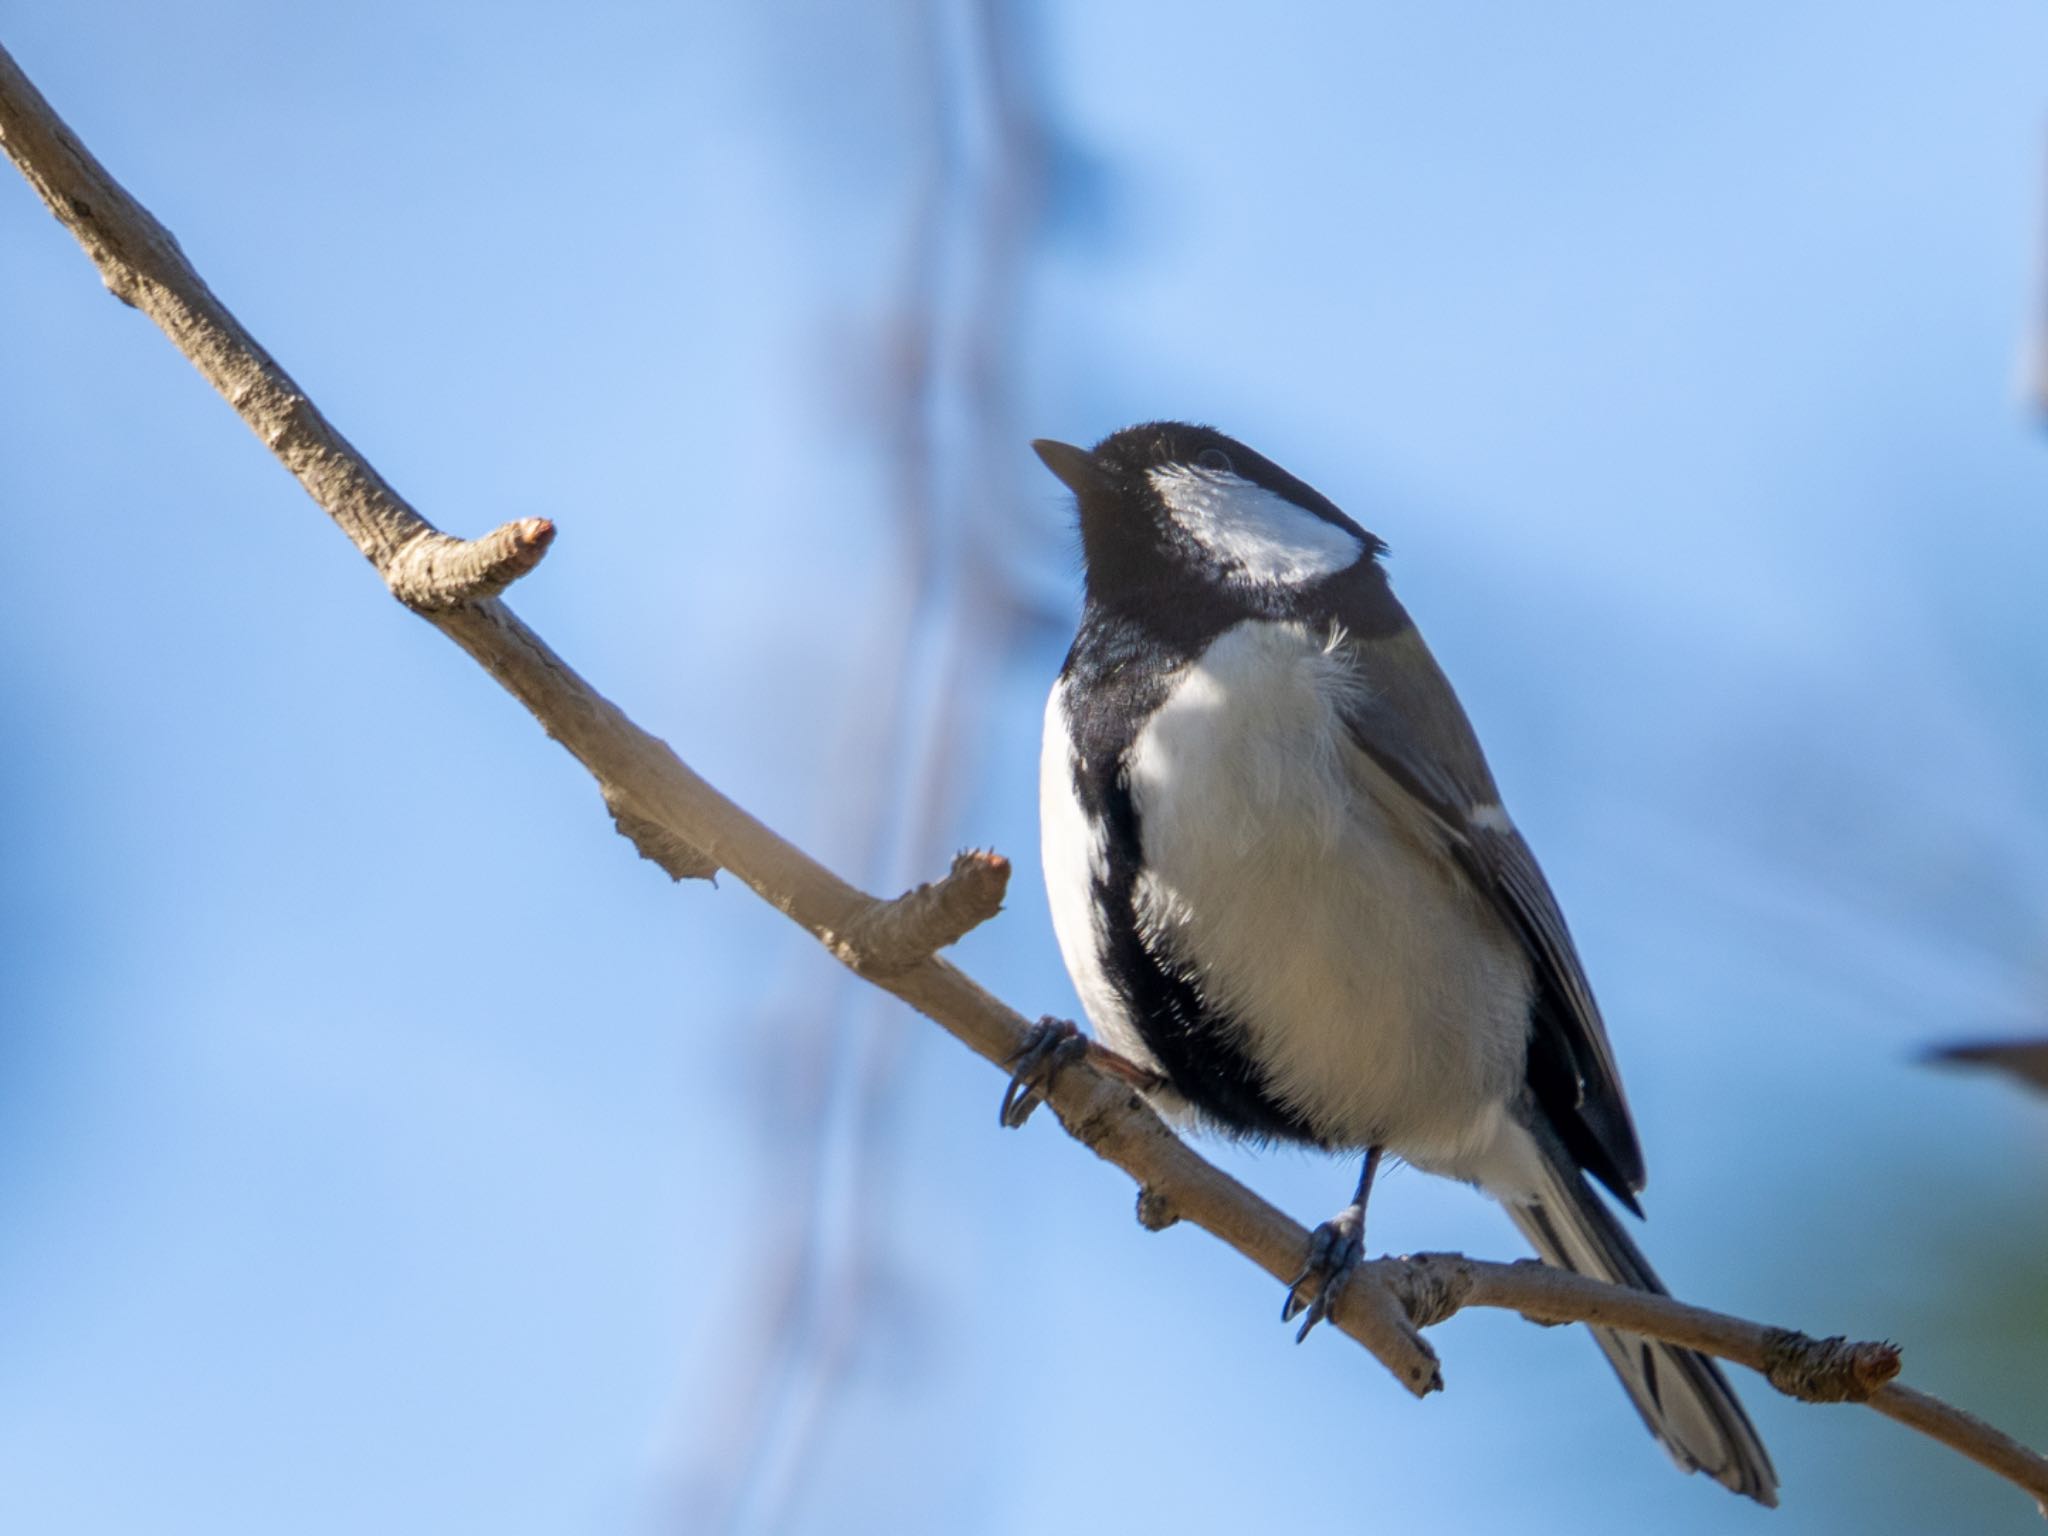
x: 1335, y: 1249
x: 1048, y: 1046
x: 1144, y: 1079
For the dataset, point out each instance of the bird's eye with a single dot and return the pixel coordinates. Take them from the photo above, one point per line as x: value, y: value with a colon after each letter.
x: 1215, y: 459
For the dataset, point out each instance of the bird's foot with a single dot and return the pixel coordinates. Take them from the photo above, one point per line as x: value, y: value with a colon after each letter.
x: 1049, y: 1045
x: 1335, y: 1249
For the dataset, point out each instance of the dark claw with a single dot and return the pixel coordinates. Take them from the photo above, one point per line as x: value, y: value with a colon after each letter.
x: 1335, y: 1249
x: 1049, y: 1046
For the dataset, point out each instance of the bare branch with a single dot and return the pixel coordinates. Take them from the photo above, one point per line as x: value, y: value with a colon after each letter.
x: 450, y: 581
x: 892, y: 936
x: 665, y: 807
x: 142, y: 266
x: 1433, y: 1286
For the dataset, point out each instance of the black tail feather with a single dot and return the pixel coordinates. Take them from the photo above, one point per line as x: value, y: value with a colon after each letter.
x: 1681, y: 1394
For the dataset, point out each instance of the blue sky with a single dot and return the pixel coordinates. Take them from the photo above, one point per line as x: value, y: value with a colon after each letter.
x: 383, y: 1146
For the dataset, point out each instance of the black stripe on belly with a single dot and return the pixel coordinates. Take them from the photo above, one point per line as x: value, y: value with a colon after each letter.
x: 1197, y: 1046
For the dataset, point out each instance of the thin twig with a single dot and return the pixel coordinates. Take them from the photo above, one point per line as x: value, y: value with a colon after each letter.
x: 2025, y: 1059
x: 1383, y: 1308
x: 892, y: 936
x: 1834, y: 1370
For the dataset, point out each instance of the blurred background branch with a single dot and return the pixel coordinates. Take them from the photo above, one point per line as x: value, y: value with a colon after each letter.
x: 948, y: 612
x: 2025, y: 1061
x: 2034, y: 353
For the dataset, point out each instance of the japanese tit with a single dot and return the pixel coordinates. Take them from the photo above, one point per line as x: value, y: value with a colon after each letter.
x: 1283, y: 881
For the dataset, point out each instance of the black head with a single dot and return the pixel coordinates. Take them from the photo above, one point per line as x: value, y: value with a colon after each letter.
x: 1166, y: 505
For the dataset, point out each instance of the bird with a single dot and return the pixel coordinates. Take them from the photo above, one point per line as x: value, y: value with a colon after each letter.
x: 1289, y: 897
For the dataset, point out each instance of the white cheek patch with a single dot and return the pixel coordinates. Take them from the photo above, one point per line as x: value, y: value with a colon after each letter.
x: 1252, y: 532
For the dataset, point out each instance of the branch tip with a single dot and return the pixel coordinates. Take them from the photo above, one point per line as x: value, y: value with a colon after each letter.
x: 887, y: 938
x: 432, y: 571
x: 1155, y: 1209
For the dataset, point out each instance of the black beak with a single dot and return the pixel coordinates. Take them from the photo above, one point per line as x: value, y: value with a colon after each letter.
x: 1077, y: 467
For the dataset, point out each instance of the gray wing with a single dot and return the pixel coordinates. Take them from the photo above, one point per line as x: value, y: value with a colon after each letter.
x: 1409, y: 723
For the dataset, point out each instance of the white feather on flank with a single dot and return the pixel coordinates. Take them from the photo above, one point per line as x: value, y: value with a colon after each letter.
x: 1075, y: 853
x: 1252, y: 532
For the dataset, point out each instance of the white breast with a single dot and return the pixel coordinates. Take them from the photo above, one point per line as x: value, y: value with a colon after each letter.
x: 1384, y: 1000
